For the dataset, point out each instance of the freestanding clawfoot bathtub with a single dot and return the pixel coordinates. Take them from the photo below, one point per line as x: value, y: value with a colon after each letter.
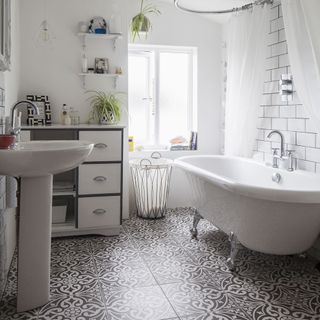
x: 265, y: 209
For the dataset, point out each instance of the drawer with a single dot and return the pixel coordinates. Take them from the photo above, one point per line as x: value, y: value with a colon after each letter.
x: 99, y: 178
x: 98, y: 212
x: 107, y: 145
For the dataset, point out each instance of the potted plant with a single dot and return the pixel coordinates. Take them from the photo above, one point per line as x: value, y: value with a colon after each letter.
x: 106, y: 107
x: 140, y: 23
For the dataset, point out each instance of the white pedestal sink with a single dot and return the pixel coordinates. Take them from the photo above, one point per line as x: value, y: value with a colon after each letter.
x: 35, y: 163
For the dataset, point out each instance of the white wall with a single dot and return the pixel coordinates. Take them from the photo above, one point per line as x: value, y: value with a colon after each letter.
x: 178, y: 29
x: 9, y: 80
x: 54, y: 72
x: 288, y: 117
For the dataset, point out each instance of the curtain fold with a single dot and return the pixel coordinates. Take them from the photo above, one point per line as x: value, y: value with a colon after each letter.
x: 302, y: 24
x: 246, y: 53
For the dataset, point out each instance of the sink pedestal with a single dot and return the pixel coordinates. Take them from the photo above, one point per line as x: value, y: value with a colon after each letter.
x: 35, y: 163
x: 34, y: 247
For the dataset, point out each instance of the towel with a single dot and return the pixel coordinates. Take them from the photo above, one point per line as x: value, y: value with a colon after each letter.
x: 11, y: 192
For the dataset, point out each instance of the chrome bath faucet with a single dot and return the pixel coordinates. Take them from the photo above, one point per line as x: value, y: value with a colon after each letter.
x: 284, y: 154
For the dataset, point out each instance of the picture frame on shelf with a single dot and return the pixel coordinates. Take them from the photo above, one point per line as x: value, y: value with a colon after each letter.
x: 43, y: 104
x: 101, y: 65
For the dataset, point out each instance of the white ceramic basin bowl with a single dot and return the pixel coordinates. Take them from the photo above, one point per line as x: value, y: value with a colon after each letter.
x: 40, y: 158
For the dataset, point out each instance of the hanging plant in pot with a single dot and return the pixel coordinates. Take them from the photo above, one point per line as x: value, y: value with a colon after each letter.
x: 140, y: 23
x: 106, y: 107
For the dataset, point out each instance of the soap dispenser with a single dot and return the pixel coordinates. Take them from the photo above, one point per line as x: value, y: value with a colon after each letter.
x: 65, y: 117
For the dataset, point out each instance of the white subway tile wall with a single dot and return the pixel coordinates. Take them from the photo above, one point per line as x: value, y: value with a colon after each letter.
x: 289, y: 117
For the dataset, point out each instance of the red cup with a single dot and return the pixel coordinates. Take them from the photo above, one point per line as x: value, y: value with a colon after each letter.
x: 7, y: 140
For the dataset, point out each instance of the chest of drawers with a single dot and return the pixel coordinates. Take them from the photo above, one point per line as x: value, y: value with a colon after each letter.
x: 94, y: 205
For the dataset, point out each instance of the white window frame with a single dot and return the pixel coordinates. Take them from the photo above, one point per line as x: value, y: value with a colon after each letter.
x: 135, y: 49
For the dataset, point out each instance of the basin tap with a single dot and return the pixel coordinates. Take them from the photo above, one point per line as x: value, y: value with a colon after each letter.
x: 16, y: 130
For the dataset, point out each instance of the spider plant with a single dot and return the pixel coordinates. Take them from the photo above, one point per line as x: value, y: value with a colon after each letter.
x: 106, y: 107
x: 140, y: 22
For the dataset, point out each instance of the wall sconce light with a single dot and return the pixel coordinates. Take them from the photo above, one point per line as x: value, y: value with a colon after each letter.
x: 286, y: 87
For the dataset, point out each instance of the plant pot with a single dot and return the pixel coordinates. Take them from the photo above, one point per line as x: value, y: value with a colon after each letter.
x: 140, y: 24
x: 104, y: 119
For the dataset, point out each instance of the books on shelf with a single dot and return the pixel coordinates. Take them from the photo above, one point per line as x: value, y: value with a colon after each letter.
x: 194, y: 140
x: 179, y: 147
x: 180, y: 143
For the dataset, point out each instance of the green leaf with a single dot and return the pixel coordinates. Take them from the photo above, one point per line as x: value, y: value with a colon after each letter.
x: 106, y: 105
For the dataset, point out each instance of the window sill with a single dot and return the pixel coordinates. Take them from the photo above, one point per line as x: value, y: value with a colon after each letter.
x: 165, y: 153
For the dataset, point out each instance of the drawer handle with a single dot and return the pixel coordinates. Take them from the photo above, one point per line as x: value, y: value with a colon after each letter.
x: 101, y: 145
x: 99, y: 211
x: 100, y: 179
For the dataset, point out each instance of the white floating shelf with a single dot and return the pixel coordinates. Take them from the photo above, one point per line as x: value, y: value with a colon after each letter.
x: 114, y: 76
x: 109, y: 75
x: 109, y: 36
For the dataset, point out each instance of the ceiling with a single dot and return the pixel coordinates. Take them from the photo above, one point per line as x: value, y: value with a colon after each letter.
x: 212, y: 5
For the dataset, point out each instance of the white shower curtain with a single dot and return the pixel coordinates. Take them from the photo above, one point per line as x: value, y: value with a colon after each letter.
x: 302, y: 25
x: 246, y: 53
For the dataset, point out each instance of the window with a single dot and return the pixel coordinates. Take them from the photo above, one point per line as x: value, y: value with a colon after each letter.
x: 162, y: 94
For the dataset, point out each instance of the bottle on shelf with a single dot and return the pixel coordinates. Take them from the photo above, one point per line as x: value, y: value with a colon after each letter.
x: 115, y: 24
x: 65, y: 117
x: 84, y: 61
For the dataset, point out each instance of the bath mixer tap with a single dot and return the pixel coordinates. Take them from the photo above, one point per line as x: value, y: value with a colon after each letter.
x: 290, y: 159
x: 284, y: 154
x: 271, y: 133
x: 16, y: 130
x: 275, y: 157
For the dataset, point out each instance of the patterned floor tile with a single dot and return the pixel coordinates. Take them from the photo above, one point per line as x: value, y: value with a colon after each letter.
x: 205, y: 316
x: 67, y: 307
x: 138, y: 304
x: 176, y: 269
x: 123, y: 275
x: 153, y: 270
x: 73, y: 283
x: 194, y: 297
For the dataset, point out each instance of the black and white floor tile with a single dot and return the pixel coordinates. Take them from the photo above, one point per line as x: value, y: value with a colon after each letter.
x: 155, y: 271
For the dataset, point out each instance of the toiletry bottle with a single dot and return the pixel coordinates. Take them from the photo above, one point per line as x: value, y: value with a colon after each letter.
x: 84, y: 61
x: 115, y: 20
x: 131, y: 143
x: 63, y: 113
x: 67, y: 118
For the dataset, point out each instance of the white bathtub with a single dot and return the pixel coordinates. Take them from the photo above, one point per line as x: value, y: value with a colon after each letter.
x: 238, y: 196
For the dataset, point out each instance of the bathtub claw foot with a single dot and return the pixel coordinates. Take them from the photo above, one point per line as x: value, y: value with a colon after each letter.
x: 233, y: 251
x: 194, y: 231
x: 302, y: 255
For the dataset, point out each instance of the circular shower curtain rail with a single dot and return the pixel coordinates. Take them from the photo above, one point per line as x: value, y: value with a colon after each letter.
x: 237, y: 9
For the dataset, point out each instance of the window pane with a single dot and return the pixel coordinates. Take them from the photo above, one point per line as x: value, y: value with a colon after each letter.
x: 174, y: 92
x: 139, y: 99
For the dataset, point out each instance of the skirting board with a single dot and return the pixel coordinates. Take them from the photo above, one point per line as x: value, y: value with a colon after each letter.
x: 106, y: 231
